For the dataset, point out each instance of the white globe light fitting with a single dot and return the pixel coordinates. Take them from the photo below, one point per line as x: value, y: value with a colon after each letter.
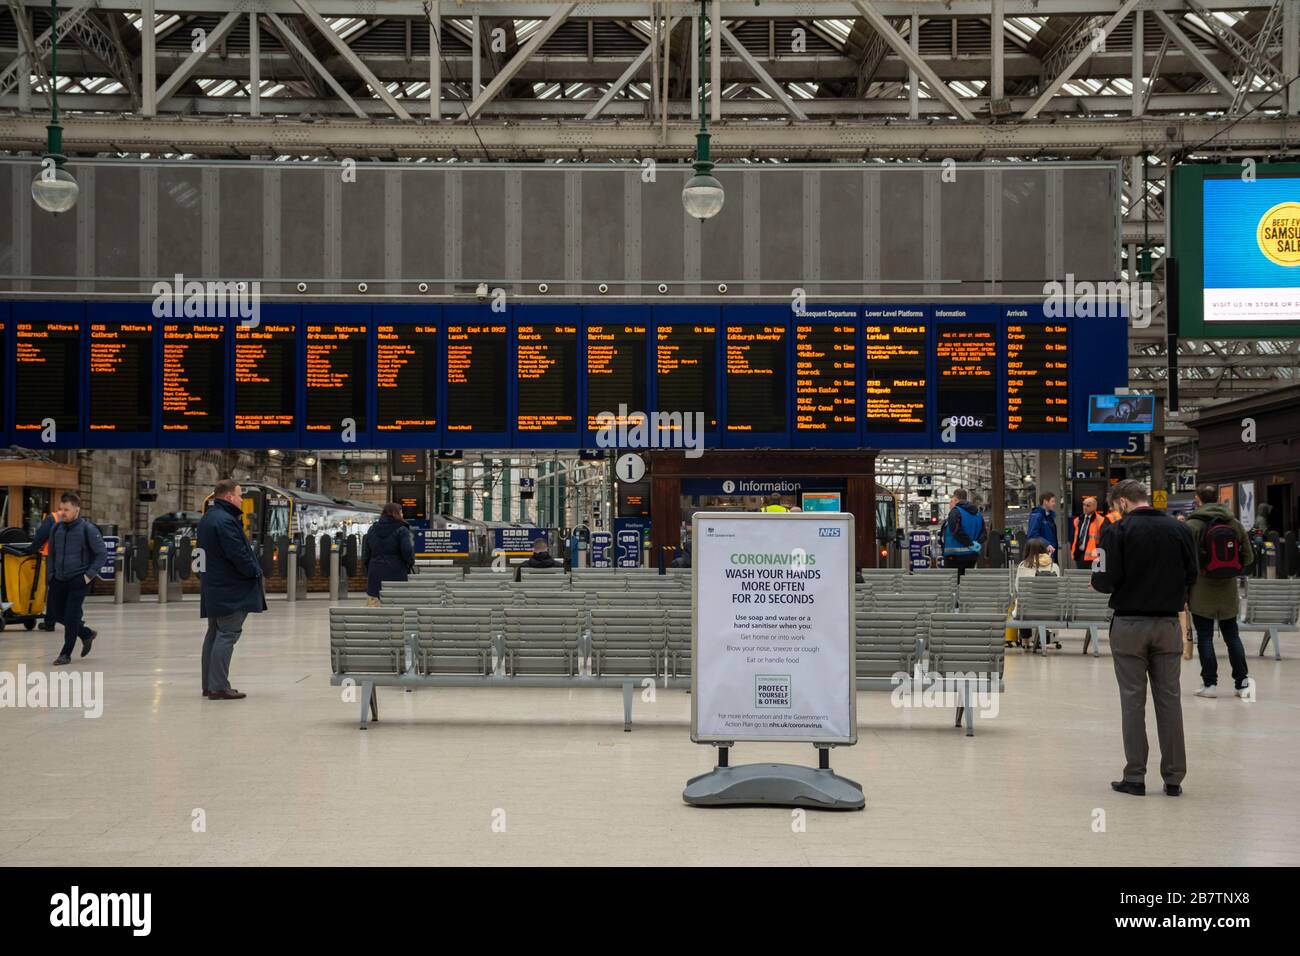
x: 54, y: 190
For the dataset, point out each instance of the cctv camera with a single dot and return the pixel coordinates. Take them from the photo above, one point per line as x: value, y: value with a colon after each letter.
x: 482, y: 291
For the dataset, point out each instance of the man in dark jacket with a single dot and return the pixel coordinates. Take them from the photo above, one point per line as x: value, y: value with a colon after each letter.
x: 541, y: 555
x: 386, y: 551
x: 1147, y: 564
x: 964, y: 533
x: 230, y: 586
x: 1042, y: 522
x: 77, y: 554
x: 1216, y: 599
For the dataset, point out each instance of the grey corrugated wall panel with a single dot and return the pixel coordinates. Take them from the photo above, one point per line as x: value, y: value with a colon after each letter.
x: 1024, y: 243
x: 362, y: 226
x: 423, y: 213
x: 902, y: 239
x: 961, y: 229
x: 542, y: 204
x: 788, y: 225
x: 240, y: 234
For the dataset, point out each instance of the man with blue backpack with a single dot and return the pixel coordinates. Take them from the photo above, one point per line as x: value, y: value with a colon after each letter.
x: 964, y: 533
x: 1223, y: 554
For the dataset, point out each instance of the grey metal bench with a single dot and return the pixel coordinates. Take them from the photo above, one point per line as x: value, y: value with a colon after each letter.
x: 967, y: 644
x: 1040, y: 604
x: 1086, y: 609
x: 1272, y: 606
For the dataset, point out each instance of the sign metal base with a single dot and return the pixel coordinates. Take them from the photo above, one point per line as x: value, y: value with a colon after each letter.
x: 774, y: 785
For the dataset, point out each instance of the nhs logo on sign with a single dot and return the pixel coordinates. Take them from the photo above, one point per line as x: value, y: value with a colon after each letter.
x: 828, y: 532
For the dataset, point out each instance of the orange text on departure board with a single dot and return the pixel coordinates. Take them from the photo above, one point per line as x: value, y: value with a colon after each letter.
x: 250, y: 352
x: 178, y: 397
x: 394, y: 352
x: 896, y: 377
x: 1038, y: 387
x: 825, y: 367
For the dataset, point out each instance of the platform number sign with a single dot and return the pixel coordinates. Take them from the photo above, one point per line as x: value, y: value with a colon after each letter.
x: 629, y: 468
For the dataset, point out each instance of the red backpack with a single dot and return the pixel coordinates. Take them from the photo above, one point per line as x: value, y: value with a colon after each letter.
x: 1220, y: 550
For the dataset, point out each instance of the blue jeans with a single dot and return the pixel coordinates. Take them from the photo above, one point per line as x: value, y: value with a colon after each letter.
x: 1205, y: 645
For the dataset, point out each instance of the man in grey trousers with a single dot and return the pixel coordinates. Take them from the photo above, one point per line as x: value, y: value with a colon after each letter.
x: 230, y: 586
x: 1147, y: 564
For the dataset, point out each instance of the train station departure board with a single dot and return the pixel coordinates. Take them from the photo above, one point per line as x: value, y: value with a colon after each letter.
x: 476, y: 378
x: 1038, y: 384
x: 121, y: 377
x: 406, y: 377
x: 546, y: 370
x: 193, y: 377
x: 266, y: 365
x: 967, y: 375
x: 896, y: 375
x: 539, y: 376
x: 755, y: 367
x: 336, y: 376
x: 47, y: 377
x: 825, y: 377
x: 616, y: 357
x: 686, y: 370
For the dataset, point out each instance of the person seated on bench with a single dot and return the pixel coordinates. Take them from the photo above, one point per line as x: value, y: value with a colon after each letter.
x: 541, y: 556
x: 1037, y: 563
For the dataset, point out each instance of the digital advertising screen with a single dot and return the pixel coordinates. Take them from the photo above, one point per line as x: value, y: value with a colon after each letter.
x: 1121, y: 413
x: 546, y: 373
x: 193, y: 379
x: 1236, y: 239
x: 820, y: 501
x: 406, y: 377
x: 120, y: 377
x: 335, y: 377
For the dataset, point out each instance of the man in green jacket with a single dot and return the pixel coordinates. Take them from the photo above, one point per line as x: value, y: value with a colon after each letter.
x: 1215, y: 598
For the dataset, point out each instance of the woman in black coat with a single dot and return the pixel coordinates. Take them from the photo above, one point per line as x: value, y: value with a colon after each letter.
x: 387, y: 552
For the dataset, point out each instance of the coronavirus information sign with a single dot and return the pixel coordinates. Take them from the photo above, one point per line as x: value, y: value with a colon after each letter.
x: 772, y: 644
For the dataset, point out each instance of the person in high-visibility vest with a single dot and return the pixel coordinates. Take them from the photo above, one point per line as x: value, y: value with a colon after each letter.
x: 1087, y: 534
x: 41, y: 543
x: 773, y: 503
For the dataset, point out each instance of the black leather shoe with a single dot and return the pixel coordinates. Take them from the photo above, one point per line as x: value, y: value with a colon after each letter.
x: 1128, y: 786
x: 89, y: 639
x: 231, y: 694
x: 1173, y: 790
x: 47, y: 627
x: 61, y: 660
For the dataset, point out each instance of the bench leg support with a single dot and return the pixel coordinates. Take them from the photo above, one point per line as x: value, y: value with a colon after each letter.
x: 970, y: 711
x: 369, y: 704
x: 627, y: 707
x: 1095, y: 634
